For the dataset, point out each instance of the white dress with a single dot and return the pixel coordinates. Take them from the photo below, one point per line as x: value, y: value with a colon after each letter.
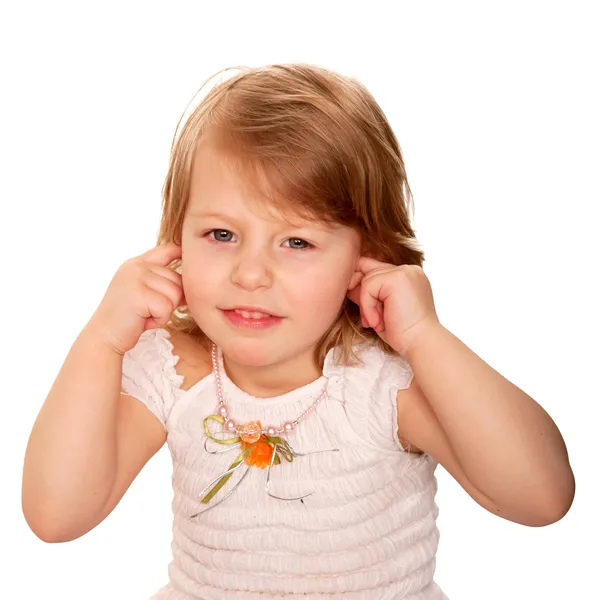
x: 367, y: 533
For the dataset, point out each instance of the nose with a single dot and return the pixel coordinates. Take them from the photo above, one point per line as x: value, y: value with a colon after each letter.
x: 252, y: 270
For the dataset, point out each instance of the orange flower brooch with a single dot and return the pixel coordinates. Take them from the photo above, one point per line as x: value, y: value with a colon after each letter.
x: 259, y: 447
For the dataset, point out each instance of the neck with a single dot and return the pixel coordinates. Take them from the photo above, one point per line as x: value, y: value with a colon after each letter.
x: 274, y: 379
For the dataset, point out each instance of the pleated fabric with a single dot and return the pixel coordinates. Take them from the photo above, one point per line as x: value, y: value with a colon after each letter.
x: 367, y: 532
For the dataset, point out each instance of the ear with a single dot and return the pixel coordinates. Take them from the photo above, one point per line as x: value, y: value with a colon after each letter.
x: 355, y: 279
x: 183, y: 299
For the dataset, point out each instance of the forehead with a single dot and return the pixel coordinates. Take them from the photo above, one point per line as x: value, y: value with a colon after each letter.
x: 222, y: 184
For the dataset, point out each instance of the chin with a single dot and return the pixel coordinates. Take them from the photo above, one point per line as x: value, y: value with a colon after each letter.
x: 256, y: 348
x: 252, y: 352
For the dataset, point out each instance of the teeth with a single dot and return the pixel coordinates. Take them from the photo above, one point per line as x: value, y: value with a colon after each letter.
x: 252, y: 315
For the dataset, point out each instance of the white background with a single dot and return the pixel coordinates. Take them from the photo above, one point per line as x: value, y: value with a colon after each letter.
x: 496, y: 109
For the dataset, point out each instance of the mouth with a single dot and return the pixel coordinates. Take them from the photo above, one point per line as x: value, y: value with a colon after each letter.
x: 252, y: 312
x: 251, y: 320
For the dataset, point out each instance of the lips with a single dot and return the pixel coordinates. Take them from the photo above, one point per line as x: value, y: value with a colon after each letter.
x: 251, y: 320
x: 252, y: 312
x: 252, y: 315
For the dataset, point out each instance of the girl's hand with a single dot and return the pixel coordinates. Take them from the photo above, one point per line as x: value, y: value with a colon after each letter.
x: 142, y: 295
x: 396, y: 301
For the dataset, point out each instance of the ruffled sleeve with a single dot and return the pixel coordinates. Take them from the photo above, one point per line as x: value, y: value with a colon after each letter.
x: 368, y: 394
x: 149, y: 373
x: 395, y: 375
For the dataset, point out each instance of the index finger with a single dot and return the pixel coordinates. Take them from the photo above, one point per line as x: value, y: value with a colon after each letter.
x: 163, y: 254
x: 367, y: 264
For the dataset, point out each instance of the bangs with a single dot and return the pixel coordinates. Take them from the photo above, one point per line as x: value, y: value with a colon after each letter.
x: 293, y: 180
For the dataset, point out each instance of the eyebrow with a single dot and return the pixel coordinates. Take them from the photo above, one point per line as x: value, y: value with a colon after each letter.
x: 232, y: 219
x: 201, y: 215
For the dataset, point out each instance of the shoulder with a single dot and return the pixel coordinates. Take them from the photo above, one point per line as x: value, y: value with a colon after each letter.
x: 162, y: 362
x: 414, y: 417
x: 193, y: 360
x: 168, y: 355
x: 384, y: 368
x: 374, y: 368
x: 152, y: 353
x: 370, y: 389
x: 397, y: 374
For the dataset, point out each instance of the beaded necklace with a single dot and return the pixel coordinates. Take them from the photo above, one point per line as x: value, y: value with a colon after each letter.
x: 260, y: 446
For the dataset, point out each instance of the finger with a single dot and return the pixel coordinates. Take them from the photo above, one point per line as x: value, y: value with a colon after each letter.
x: 163, y: 254
x: 158, y: 308
x: 381, y: 323
x: 354, y: 296
x: 369, y: 297
x: 173, y: 291
x: 367, y: 264
x: 166, y: 272
x: 356, y: 278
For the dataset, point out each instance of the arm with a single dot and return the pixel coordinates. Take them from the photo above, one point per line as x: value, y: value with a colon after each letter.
x: 87, y: 444
x: 499, y: 444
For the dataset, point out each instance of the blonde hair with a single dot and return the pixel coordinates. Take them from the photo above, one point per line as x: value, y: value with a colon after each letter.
x: 327, y: 151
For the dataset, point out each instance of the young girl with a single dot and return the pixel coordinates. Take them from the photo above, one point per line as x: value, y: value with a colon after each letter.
x: 282, y: 338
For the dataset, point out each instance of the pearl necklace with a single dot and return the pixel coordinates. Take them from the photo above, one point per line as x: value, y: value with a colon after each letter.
x: 260, y: 447
x: 251, y: 432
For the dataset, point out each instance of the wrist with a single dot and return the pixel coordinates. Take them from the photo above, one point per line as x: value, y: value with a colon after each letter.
x: 418, y: 336
x: 99, y: 334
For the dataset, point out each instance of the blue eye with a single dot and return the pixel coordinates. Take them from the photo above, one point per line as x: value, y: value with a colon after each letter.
x: 224, y: 235
x: 219, y: 237
x: 301, y: 241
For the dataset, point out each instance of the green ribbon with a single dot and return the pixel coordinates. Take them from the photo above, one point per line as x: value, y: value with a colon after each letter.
x: 279, y: 445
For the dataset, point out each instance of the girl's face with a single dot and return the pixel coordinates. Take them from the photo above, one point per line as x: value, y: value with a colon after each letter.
x: 236, y: 254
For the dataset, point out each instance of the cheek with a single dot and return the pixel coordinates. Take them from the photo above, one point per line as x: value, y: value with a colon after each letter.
x: 320, y: 295
x: 199, y: 280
